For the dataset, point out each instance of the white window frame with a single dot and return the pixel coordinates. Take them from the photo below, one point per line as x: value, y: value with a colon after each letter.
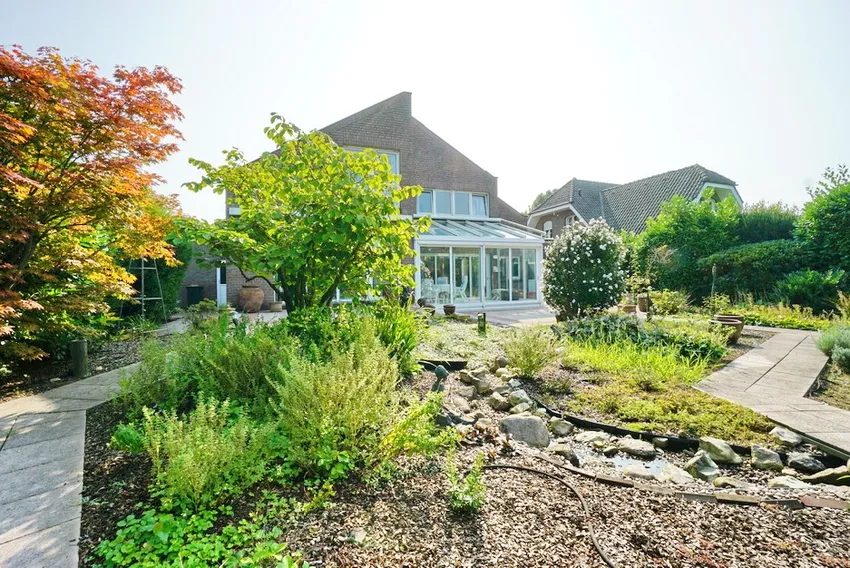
x: 453, y: 196
x: 547, y: 229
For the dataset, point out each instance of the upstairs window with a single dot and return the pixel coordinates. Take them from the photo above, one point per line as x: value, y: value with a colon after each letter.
x: 451, y: 203
x: 547, y: 229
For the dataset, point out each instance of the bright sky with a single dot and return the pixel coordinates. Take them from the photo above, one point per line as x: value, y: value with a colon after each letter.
x: 536, y: 93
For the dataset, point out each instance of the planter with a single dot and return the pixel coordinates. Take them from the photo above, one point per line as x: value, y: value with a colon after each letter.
x: 729, y: 316
x: 251, y: 299
x: 449, y: 309
x: 643, y: 303
x: 736, y: 325
x: 628, y: 308
x: 275, y: 306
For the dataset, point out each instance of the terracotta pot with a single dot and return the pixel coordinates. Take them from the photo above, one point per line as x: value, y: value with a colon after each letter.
x: 449, y: 309
x: 628, y: 308
x: 251, y: 299
x: 275, y: 306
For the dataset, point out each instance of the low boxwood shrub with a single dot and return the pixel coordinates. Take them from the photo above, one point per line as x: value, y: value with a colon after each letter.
x: 810, y: 289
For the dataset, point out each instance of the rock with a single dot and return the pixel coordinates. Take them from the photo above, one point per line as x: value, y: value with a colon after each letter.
x: 673, y: 474
x: 486, y: 385
x: 790, y: 472
x: 498, y: 402
x: 561, y: 427
x: 529, y: 429
x: 832, y: 476
x: 787, y: 437
x: 521, y: 407
x: 638, y: 448
x: 600, y: 444
x: 55, y: 380
x: 610, y: 451
x: 765, y: 458
x: 638, y: 471
x: 466, y: 391
x: 501, y: 362
x: 802, y: 461
x: 541, y: 412
x: 98, y: 369
x: 519, y: 397
x: 591, y: 436
x: 465, y: 376
x: 703, y: 467
x: 514, y: 383
x: 718, y: 450
x: 731, y: 483
x: 564, y: 451
x: 484, y: 423
x: 659, y: 442
x: 479, y: 372
x: 503, y: 373
x: 787, y: 482
x: 458, y: 404
x: 358, y: 535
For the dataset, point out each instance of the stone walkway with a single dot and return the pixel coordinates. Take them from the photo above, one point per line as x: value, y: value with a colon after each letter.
x: 42, y: 439
x: 773, y: 380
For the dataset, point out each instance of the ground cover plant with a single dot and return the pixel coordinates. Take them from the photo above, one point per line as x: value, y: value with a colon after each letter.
x: 447, y: 340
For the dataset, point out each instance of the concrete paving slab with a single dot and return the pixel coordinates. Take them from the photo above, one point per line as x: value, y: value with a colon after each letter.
x: 32, y: 428
x: 52, y: 547
x: 23, y: 457
x: 840, y: 440
x: 40, y: 478
x: 806, y: 422
x: 99, y: 393
x: 38, y: 512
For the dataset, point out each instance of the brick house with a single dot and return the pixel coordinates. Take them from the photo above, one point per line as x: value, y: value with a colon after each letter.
x: 626, y: 206
x: 478, y: 250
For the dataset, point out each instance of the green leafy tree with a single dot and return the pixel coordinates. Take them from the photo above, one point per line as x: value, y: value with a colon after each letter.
x: 684, y: 232
x: 825, y: 222
x: 764, y: 221
x: 541, y: 197
x: 313, y: 217
x: 832, y: 179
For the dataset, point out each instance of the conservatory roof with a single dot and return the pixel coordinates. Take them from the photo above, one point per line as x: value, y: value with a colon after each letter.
x: 489, y: 230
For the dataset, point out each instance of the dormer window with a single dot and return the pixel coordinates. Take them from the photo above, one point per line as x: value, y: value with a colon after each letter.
x: 442, y: 203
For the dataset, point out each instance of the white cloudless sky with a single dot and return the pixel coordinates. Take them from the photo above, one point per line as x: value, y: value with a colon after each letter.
x: 534, y: 92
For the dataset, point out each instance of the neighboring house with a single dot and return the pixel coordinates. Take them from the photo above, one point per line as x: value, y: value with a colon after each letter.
x: 478, y: 251
x: 626, y: 206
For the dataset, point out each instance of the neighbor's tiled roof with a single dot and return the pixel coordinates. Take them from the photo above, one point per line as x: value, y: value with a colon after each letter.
x: 628, y: 206
x: 583, y: 195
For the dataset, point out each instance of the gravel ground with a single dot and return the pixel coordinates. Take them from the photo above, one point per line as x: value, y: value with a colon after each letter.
x: 114, y: 482
x: 38, y: 376
x: 529, y: 520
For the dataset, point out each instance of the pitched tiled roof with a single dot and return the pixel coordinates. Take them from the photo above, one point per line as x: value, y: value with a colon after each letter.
x: 582, y: 194
x: 628, y: 206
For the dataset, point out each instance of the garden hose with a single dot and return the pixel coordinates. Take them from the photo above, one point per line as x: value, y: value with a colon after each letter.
x: 585, y: 508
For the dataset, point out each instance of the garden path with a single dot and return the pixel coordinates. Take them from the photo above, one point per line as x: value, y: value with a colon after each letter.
x: 773, y: 379
x: 42, y: 441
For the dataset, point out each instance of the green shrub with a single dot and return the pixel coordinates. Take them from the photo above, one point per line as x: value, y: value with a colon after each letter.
x: 766, y: 222
x: 222, y: 361
x: 128, y: 439
x: 825, y: 224
x: 529, y: 350
x: 417, y: 432
x: 335, y: 413
x: 400, y: 330
x: 583, y: 270
x: 206, y: 457
x: 752, y: 268
x: 467, y: 493
x: 717, y: 304
x: 669, y: 302
x: 811, y: 289
x: 836, y: 336
x: 841, y: 357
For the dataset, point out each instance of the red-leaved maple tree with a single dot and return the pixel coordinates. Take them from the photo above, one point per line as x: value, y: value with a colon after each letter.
x: 76, y: 192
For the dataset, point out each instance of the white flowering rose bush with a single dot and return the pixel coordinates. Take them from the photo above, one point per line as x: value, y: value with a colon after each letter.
x: 583, y: 270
